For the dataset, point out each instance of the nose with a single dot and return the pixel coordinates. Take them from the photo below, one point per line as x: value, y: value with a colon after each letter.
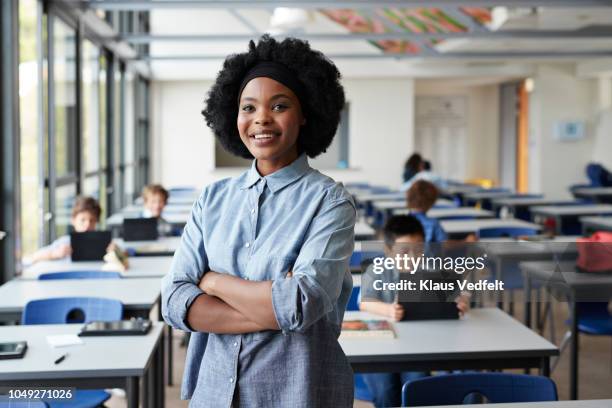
x: 263, y: 117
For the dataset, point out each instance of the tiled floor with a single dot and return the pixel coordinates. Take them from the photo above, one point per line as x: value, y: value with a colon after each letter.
x: 595, y: 367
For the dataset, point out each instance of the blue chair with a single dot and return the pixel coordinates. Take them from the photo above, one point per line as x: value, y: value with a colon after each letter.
x: 358, y: 257
x: 495, y: 387
x: 361, y: 389
x: 74, y: 310
x: 79, y: 275
x: 498, y: 232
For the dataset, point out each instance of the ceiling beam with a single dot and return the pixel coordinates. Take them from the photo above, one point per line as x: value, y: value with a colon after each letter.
x: 330, y: 4
x: 599, y: 33
x: 540, y: 55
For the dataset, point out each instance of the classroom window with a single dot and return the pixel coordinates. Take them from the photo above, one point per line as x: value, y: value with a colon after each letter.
x: 64, y: 98
x: 91, y: 107
x: 30, y: 122
x: 128, y: 142
x: 64, y: 200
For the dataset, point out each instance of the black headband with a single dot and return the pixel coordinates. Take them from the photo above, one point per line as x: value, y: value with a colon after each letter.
x: 277, y: 72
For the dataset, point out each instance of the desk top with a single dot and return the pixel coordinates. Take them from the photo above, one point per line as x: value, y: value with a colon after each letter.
x: 485, y: 195
x: 569, y: 210
x: 367, y: 196
x: 453, y: 212
x: 564, y: 274
x: 361, y: 229
x: 471, y: 226
x: 593, y: 191
x: 97, y: 357
x: 392, y: 205
x: 140, y: 267
x: 460, y: 189
x: 530, y: 201
x: 133, y: 293
x: 167, y: 245
x: 548, y: 404
x: 598, y: 222
x: 563, y: 246
x: 482, y: 333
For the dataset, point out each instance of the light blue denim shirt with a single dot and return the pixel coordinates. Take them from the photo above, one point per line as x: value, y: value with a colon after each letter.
x: 259, y: 228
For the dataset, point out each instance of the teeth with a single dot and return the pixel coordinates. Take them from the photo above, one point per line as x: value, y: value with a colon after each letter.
x: 264, y: 136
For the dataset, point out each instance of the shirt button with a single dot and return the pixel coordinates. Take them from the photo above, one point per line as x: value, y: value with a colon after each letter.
x: 253, y: 211
x: 248, y: 244
x: 231, y: 380
x: 235, y: 344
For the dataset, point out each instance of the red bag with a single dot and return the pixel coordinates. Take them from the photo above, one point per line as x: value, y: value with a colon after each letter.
x: 595, y: 253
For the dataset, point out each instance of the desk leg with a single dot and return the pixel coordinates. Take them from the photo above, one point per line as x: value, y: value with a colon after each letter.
x: 498, y: 276
x: 169, y: 343
x: 132, y: 390
x: 159, y: 374
x: 146, y: 389
x: 545, y: 367
x: 573, y: 349
x: 527, y: 300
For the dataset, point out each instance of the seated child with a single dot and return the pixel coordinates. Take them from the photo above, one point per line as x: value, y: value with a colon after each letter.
x: 401, y: 229
x: 155, y: 198
x: 85, y: 215
x: 421, y: 196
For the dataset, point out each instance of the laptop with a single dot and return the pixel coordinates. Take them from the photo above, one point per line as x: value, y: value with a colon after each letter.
x: 434, y: 302
x: 140, y: 229
x: 89, y: 246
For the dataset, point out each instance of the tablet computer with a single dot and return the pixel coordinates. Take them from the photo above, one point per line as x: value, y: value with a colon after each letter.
x: 89, y: 246
x: 133, y: 327
x: 140, y: 229
x: 14, y: 349
x: 433, y: 298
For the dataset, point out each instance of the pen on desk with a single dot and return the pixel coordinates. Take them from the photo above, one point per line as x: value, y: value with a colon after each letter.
x: 60, y: 358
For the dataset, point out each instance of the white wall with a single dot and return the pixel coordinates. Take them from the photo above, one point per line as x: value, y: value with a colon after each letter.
x: 559, y: 95
x: 380, y: 126
x: 481, y: 153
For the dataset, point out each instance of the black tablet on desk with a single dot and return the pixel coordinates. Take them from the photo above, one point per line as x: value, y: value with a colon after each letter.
x: 140, y: 229
x: 89, y: 246
x: 434, y: 300
x: 14, y: 349
x: 133, y: 327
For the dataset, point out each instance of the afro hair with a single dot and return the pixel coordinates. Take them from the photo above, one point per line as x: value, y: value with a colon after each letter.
x: 324, y: 95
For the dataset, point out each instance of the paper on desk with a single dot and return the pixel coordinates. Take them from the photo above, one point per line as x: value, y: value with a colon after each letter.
x: 63, y: 340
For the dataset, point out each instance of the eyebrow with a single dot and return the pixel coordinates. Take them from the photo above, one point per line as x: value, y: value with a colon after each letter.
x: 277, y: 96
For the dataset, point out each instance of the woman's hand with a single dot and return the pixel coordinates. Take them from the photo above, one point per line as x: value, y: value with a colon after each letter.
x: 207, y: 283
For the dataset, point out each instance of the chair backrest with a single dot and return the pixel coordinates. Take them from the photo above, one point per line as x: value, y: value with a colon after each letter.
x: 358, y: 257
x: 79, y: 275
x: 353, y: 303
x: 496, y: 387
x: 497, y: 232
x: 6, y: 403
x: 71, y: 310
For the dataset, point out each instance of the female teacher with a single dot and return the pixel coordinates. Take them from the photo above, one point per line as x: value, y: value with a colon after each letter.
x: 262, y: 273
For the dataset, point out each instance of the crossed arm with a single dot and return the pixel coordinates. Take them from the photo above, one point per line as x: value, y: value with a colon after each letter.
x: 232, y: 305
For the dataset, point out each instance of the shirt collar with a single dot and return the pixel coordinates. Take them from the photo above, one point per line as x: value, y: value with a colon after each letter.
x: 280, y: 178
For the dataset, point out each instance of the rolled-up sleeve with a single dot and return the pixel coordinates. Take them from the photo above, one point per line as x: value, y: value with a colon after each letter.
x: 180, y: 285
x: 319, y: 269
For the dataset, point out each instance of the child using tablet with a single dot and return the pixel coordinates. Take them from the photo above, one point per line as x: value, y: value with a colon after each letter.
x: 399, y: 231
x: 84, y: 217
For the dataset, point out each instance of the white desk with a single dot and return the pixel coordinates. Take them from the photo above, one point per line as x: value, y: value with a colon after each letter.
x: 139, y: 267
x: 599, y: 194
x: 163, y: 246
x: 569, y: 215
x: 363, y: 231
x: 464, y: 227
x: 100, y: 362
x: 592, y: 224
x: 137, y: 295
x: 452, y: 212
x: 483, y: 339
x: 176, y: 219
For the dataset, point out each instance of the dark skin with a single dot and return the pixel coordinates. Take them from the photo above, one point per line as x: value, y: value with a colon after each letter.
x: 269, y: 120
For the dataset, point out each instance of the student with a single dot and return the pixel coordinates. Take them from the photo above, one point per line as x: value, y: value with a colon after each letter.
x: 85, y: 215
x: 412, y: 166
x: 399, y: 232
x: 420, y: 198
x: 154, y: 198
x: 427, y: 174
x: 265, y: 337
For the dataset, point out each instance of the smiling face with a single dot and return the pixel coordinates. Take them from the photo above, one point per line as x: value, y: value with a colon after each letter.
x: 155, y: 204
x: 269, y: 120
